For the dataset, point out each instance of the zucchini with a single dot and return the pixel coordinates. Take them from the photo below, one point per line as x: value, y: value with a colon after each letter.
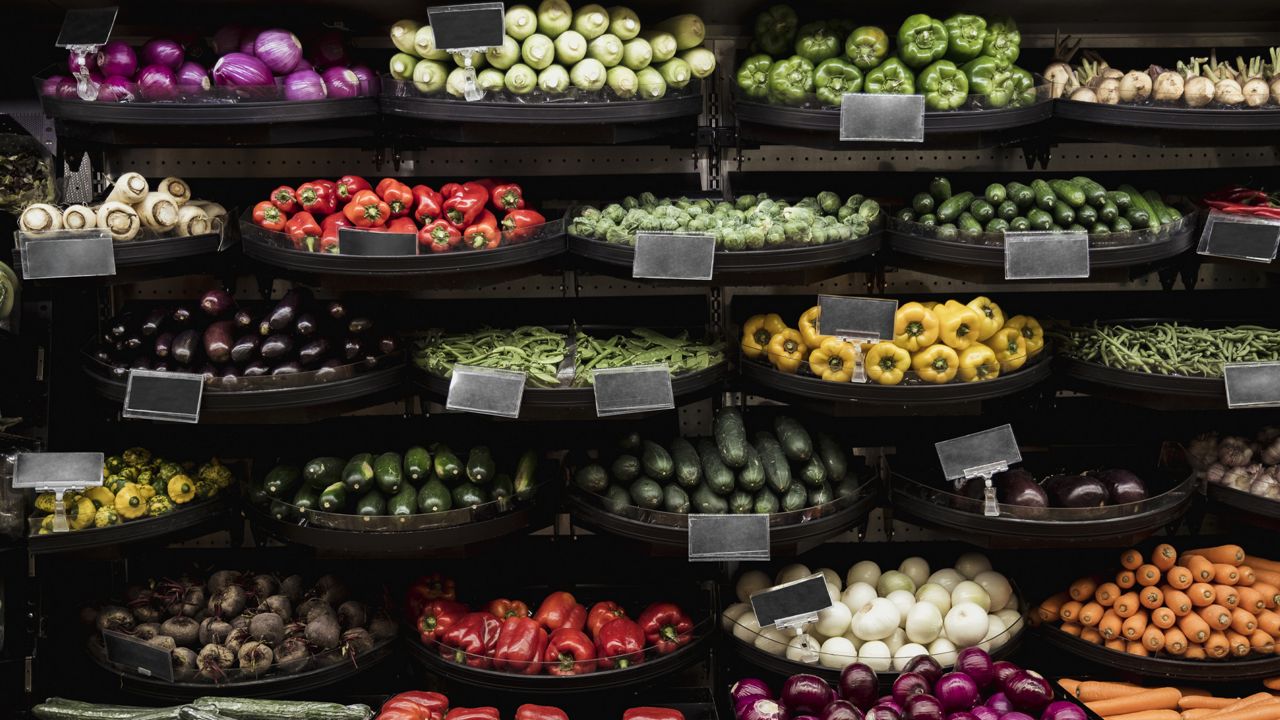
x: 281, y: 510
x: 820, y: 495
x: 307, y: 498
x: 281, y: 480
x: 502, y: 487
x: 704, y: 500
x: 777, y: 471
x: 688, y: 468
x: 417, y: 464
x: 1063, y: 214
x: 591, y: 478
x: 832, y: 456
x: 995, y: 194
x: 969, y: 224
x: 794, y: 439
x: 766, y: 502
x: 795, y: 498
x: 940, y: 189
x: 1045, y: 198
x: 615, y: 499
x: 718, y: 476
x: 625, y: 469
x: 1007, y: 210
x: 741, y: 502
x: 1068, y: 192
x: 1038, y: 219
x: 358, y: 472
x: 388, y: 472
x: 446, y: 464
x: 929, y: 219
x: 1021, y: 195
x: 951, y: 209
x: 656, y: 461
x: 731, y: 437
x: 526, y: 469
x: 646, y: 493
x: 254, y: 709
x: 468, y: 494
x: 334, y: 498
x: 372, y: 503
x: 1094, y: 194
x: 675, y: 499
x: 480, y: 465
x: 404, y: 501
x: 322, y: 472
x: 751, y: 477
x: 981, y: 210
x: 813, y: 473
x: 60, y: 709
x: 923, y: 203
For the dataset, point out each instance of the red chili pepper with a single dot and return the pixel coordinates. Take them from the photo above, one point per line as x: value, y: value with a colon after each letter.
x: 483, y: 233
x: 569, y: 652
x: 425, y: 589
x: 665, y: 626
x: 520, y: 225
x: 620, y: 643
x: 439, y: 236
x: 349, y: 185
x: 304, y: 232
x: 652, y: 713
x: 329, y: 232
x: 449, y: 190
x: 437, y: 617
x: 463, y: 209
x: 504, y: 608
x: 317, y: 198
x: 603, y: 613
x: 520, y: 645
x: 471, y: 640
x: 397, y: 195
x: 285, y: 198
x: 561, y: 609
x: 507, y: 197
x: 415, y: 705
x: 366, y: 210
x: 427, y: 204
x: 402, y: 225
x: 480, y: 713
x: 267, y: 215
x: 540, y: 712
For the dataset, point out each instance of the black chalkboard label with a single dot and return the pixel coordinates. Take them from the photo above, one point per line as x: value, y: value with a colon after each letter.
x: 1046, y: 255
x: 486, y: 391
x: 136, y: 655
x: 87, y: 26
x: 977, y: 454
x: 67, y: 254
x: 719, y: 538
x: 892, y: 118
x: 674, y: 256
x: 856, y: 318
x: 1252, y: 384
x: 354, y: 241
x: 152, y: 395
x: 792, y: 604
x: 468, y: 27
x: 627, y: 390
x: 1240, y: 237
x: 50, y: 470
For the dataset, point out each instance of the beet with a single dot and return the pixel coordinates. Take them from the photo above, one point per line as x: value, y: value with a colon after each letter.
x: 146, y: 614
x: 137, y: 594
x: 264, y: 586
x: 184, y: 630
x: 238, y: 637
x: 115, y: 618
x: 295, y: 630
x: 280, y: 605
x: 255, y: 657
x: 320, y: 611
x: 353, y: 614
x: 324, y: 632
x: 193, y: 601
x: 214, y: 661
x: 222, y: 579
x: 228, y: 602
x: 357, y: 642
x: 240, y: 622
x: 382, y: 627
x: 292, y: 587
x: 267, y: 627
x: 332, y: 591
x: 146, y: 631
x: 213, y: 630
x: 184, y: 663
x: 303, y: 611
x: 293, y: 655
x: 163, y: 642
x: 1075, y: 491
x: 1122, y: 486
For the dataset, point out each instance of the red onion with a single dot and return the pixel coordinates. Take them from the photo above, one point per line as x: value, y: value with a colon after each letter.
x: 370, y: 85
x: 762, y: 709
x: 193, y: 78
x: 1015, y: 715
x: 117, y: 89
x: 162, y: 51
x: 304, y: 85
x: 1028, y: 691
x: 341, y: 82
x: 925, y: 666
x: 1000, y: 703
x: 1063, y: 710
x: 842, y: 710
x: 962, y: 715
x: 227, y: 39
x: 241, y: 70
x: 883, y: 712
x: 923, y: 707
x: 49, y: 86
x: 976, y: 663
x: 805, y: 717
x: 890, y: 703
x: 749, y: 688
x: 909, y: 684
x: 326, y: 49
x: 858, y: 685
x: 806, y: 693
x: 1004, y: 670
x: 956, y: 691
x: 248, y: 37
x: 157, y: 82
x: 982, y: 712
x: 117, y: 58
x: 279, y: 49
x: 75, y: 62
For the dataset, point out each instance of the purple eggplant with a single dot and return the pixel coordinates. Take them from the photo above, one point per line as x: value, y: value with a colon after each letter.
x: 182, y: 315
x: 1016, y: 486
x: 245, y: 347
x: 132, y: 342
x: 257, y: 368
x: 328, y: 370
x: 283, y: 314
x: 216, y: 302
x: 352, y: 348
x: 119, y: 372
x: 313, y: 351
x: 102, y: 356
x: 305, y: 325
x: 217, y: 341
x: 359, y: 325
x: 185, y: 346
x: 208, y: 371
x: 337, y: 310
x: 140, y: 363
x: 161, y: 367
x: 154, y: 321
x: 1075, y: 491
x: 1122, y: 486
x: 119, y: 328
x: 243, y: 320
x: 387, y: 344
x: 163, y: 343
x: 288, y: 368
x: 276, y: 346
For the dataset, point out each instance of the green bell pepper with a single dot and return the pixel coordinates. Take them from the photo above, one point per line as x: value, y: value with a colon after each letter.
x: 841, y: 26
x: 791, y: 81
x: 944, y: 85
x: 890, y: 78
x: 921, y: 40
x: 817, y: 42
x: 835, y: 77
x: 965, y: 35
x: 867, y: 46
x: 1003, y: 41
x: 989, y: 80
x: 1024, y: 87
x: 776, y: 30
x: 753, y: 76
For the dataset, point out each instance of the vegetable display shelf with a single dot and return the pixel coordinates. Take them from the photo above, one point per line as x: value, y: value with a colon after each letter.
x: 1259, y: 510
x: 789, y: 532
x: 1167, y: 117
x: 1020, y: 527
x: 160, y: 257
x: 196, y: 519
x: 1159, y: 392
x: 1253, y: 667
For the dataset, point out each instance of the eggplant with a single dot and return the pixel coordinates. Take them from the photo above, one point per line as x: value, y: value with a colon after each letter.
x: 155, y: 320
x: 387, y: 344
x: 359, y: 325
x: 216, y: 302
x: 163, y: 344
x: 217, y: 341
x: 328, y: 370
x: 243, y: 319
x: 288, y: 368
x: 102, y: 356
x: 133, y: 342
x: 229, y: 376
x: 245, y: 347
x: 305, y: 325
x: 312, y: 352
x: 120, y: 371
x: 1016, y: 486
x: 184, y: 346
x: 257, y: 368
x: 276, y: 347
x: 182, y: 315
x: 337, y: 310
x: 1122, y: 486
x: 140, y: 363
x: 352, y: 348
x: 1075, y: 491
x: 371, y: 361
x: 283, y: 314
x: 161, y: 367
x: 209, y: 372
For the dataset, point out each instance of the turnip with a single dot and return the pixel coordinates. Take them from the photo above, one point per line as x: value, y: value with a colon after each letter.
x: 1226, y: 88
x: 353, y: 614
x: 1083, y: 94
x: 263, y: 586
x: 255, y: 658
x: 228, y: 602
x: 1275, y: 75
x: 1107, y: 91
x: 280, y: 605
x: 1062, y: 79
x: 184, y: 663
x: 184, y: 630
x: 357, y: 642
x: 1135, y: 86
x: 293, y: 655
x: 332, y: 591
x: 324, y: 632
x: 164, y: 642
x: 214, y: 661
x: 1254, y: 87
x: 382, y: 627
x: 221, y: 579
x: 1197, y: 89
x: 213, y: 630
x: 1167, y: 86
x: 236, y: 638
x: 115, y: 618
x: 292, y: 587
x: 267, y: 627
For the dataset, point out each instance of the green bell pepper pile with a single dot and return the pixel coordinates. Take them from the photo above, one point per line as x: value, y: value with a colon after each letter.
x: 834, y: 77
x: 817, y: 42
x: 891, y: 78
x: 944, y: 85
x: 790, y: 81
x: 921, y: 40
x: 776, y: 30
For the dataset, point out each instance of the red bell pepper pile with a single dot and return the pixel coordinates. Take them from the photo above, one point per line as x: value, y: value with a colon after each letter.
x: 560, y: 637
x: 477, y: 215
x: 1245, y: 201
x: 418, y: 705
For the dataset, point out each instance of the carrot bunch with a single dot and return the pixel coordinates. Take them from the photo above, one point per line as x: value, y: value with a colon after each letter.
x: 1209, y: 603
x: 1125, y: 701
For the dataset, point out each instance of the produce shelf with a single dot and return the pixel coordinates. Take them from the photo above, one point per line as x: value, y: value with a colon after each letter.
x: 264, y: 112
x: 1230, y: 670
x: 1169, y: 117
x: 1151, y: 390
x: 212, y: 514
x: 1264, y: 511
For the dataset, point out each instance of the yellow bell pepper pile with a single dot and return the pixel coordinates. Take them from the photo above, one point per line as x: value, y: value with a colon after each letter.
x: 939, y: 342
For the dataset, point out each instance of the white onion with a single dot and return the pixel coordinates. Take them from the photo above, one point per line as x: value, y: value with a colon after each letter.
x: 791, y: 573
x: 935, y: 595
x: 865, y: 571
x: 1013, y: 603
x: 750, y: 583
x: 948, y: 578
x: 833, y: 592
x: 773, y: 641
x: 971, y: 592
x: 876, y: 620
x: 803, y: 649
x: 1012, y: 620
x: 876, y: 656
x: 894, y: 580
x: 858, y: 594
x: 924, y: 623
x: 966, y: 624
x: 834, y: 620
x: 997, y: 587
x: 836, y: 653
x: 916, y: 568
x: 857, y: 641
x: 970, y: 564
x: 832, y: 578
x: 944, y: 651
x: 906, y: 653
x: 904, y: 601
x: 747, y: 627
x: 896, y: 640
x: 732, y: 613
x: 995, y: 636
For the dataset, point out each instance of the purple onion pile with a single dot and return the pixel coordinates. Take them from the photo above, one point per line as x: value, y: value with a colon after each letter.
x: 978, y: 689
x: 249, y: 60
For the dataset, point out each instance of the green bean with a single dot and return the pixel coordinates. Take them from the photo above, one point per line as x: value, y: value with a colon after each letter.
x: 1170, y: 348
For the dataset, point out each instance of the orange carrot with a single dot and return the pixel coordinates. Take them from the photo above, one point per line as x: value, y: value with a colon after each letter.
x: 1164, y: 556
x: 1266, y: 576
x: 1180, y: 577
x: 1091, y: 614
x: 1071, y: 685
x: 1226, y: 574
x: 1110, y: 625
x: 1272, y: 682
x: 1127, y: 604
x: 1269, y: 622
x: 1174, y: 641
x: 1250, y: 599
x: 1082, y: 589
x: 1243, y: 621
x: 1226, y: 596
x: 1130, y: 559
x: 1106, y: 594
x: 1217, y: 646
x: 1117, y: 644
x: 1134, y: 626
x: 1262, y: 643
x: 1070, y: 611
x: 1242, y: 704
x: 1194, y: 652
x: 1048, y: 610
x: 1233, y: 554
x: 1135, y: 647
x: 1261, y: 563
x: 1201, y: 594
x: 1094, y: 690
x: 1153, y: 639
x: 1218, y: 617
x: 1177, y: 601
x: 1071, y: 629
x: 1189, y: 691
x: 1163, y: 618
x: 1147, y: 715
x: 1091, y: 635
x: 1165, y: 698
x: 1201, y: 569
x: 1147, y: 575
x: 1270, y: 593
x: 1191, y: 702
x: 1194, y: 627
x: 1239, y: 643
x: 1151, y: 597
x: 1247, y: 576
x: 1196, y: 713
x: 1126, y: 579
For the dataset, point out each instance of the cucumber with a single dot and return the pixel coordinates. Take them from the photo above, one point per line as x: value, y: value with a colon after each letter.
x: 1121, y: 225
x: 630, y: 442
x: 1094, y: 194
x: 1137, y: 217
x: 502, y: 487
x: 1167, y: 213
x: 1055, y: 227
x: 417, y: 464
x: 281, y: 510
x: 777, y: 471
x: 969, y: 224
x: 1121, y: 199
x: 255, y: 495
x: 997, y: 225
x: 1007, y: 210
x: 388, y: 472
x: 1138, y: 202
x: 718, y: 476
x: 1100, y: 228
x: 1021, y: 195
x: 446, y: 464
x: 1077, y: 227
x: 766, y: 502
x: 1109, y: 211
x: 832, y: 456
x: 646, y: 493
x: 948, y: 231
x: 307, y: 498
x: 923, y: 203
x: 625, y: 469
x: 655, y: 461
x: 813, y: 473
x: 688, y: 468
x: 526, y: 469
x: 372, y: 503
x: 1045, y: 198
x: 751, y: 477
x: 794, y: 439
x: 480, y: 466
x: 821, y: 494
x: 1039, y: 219
x: 591, y: 478
x: 322, y: 472
x: 334, y: 498
x: 1087, y: 215
x: 358, y: 472
x: 403, y: 502
x: 434, y: 496
x: 1020, y: 224
x: 675, y: 499
x: 468, y: 494
x: 906, y: 214
x: 929, y: 219
x: 281, y: 479
x: 951, y: 209
x: 60, y: 709
x: 706, y: 501
x: 1063, y: 214
x: 741, y: 502
x: 795, y: 498
x: 940, y: 189
x: 616, y: 499
x: 982, y: 211
x: 1068, y: 192
x: 731, y: 437
x: 253, y: 709
x: 995, y: 194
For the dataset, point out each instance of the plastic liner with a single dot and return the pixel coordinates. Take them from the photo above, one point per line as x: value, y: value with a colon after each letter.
x: 1232, y: 669
x: 1215, y: 117
x: 212, y: 512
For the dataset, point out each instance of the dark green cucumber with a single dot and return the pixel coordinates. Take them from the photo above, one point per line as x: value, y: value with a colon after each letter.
x: 62, y: 709
x: 1063, y: 214
x: 751, y: 477
x: 766, y: 502
x: 929, y: 219
x: 906, y: 214
x: 1120, y: 224
x: 832, y: 456
x: 688, y: 467
x: 794, y: 439
x: 591, y: 478
x: 468, y: 494
x: 923, y: 203
x: 1021, y: 195
x: 950, y: 210
x: 813, y: 473
x: 446, y: 464
x: 282, y: 479
x: 281, y: 510
x: 1121, y: 199
x: 526, y: 470
x: 731, y: 437
x: 404, y: 501
x: 1039, y: 219
x: 630, y: 442
x: 1094, y: 194
x: 358, y: 473
x: 706, y: 501
x: 372, y: 503
x: 820, y: 495
x: 940, y: 189
x: 502, y: 487
x: 1166, y: 212
x: 333, y: 499
x: 982, y: 210
x: 434, y: 496
x: 1087, y: 215
x: 948, y: 231
x: 1068, y: 192
x: 307, y: 498
x: 615, y: 499
x: 417, y: 464
x: 322, y: 472
x: 1045, y: 198
x: 741, y: 502
x: 716, y: 475
x: 1020, y: 224
x: 646, y: 493
x: 997, y: 225
x: 969, y: 224
x: 656, y: 461
x: 480, y: 465
x: 795, y: 498
x: 675, y: 499
x: 996, y: 194
x: 1007, y: 210
x: 777, y: 471
x: 388, y: 472
x: 1138, y: 217
x: 625, y: 469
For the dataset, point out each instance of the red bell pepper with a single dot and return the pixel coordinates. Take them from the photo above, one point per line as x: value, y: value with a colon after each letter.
x: 304, y: 232
x: 569, y: 652
x: 603, y: 613
x: 504, y: 608
x: 463, y: 209
x: 471, y: 640
x: 521, y: 643
x: 415, y: 705
x: 652, y: 713
x: 269, y: 216
x: 666, y: 627
x: 329, y: 232
x: 561, y: 609
x: 437, y: 617
x: 439, y: 236
x: 403, y: 225
x: 483, y: 234
x: 349, y: 185
x: 540, y: 712
x: 620, y: 643
x: 285, y: 198
x: 480, y: 713
x: 449, y: 190
x: 507, y: 197
x: 425, y: 589
x: 396, y: 195
x: 317, y: 198
x: 367, y: 210
x: 487, y: 183
x: 427, y: 204
x: 520, y: 225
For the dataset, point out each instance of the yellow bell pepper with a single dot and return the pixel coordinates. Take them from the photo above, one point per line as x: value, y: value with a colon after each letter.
x: 809, y: 327
x: 978, y: 363
x: 833, y: 360
x: 181, y: 489
x: 958, y: 325
x: 786, y: 350
x: 757, y: 331
x: 936, y: 364
x: 130, y: 503
x: 887, y: 363
x: 915, y: 327
x: 931, y: 305
x: 990, y: 313
x: 1031, y: 332
x: 1010, y: 348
